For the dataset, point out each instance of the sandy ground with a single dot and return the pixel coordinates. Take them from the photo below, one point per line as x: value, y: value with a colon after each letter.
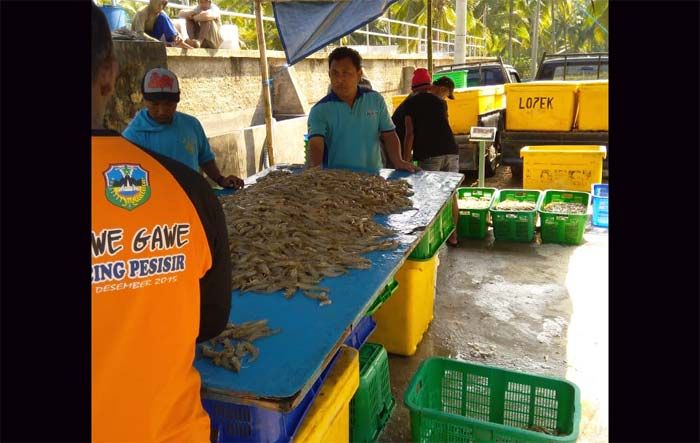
x: 539, y: 308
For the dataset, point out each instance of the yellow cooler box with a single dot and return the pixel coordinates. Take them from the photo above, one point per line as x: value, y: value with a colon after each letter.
x: 592, y: 105
x: 573, y: 168
x: 403, y: 319
x: 397, y: 100
x: 469, y: 103
x: 328, y: 418
x: 540, y: 106
x: 463, y: 112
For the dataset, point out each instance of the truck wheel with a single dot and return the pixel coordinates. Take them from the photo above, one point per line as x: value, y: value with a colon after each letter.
x: 491, y: 161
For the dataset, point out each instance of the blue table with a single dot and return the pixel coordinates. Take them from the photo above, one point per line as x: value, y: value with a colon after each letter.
x: 292, y: 360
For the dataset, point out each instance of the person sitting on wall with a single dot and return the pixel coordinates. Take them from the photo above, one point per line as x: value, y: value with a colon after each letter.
x: 160, y: 128
x: 153, y: 24
x: 204, y: 25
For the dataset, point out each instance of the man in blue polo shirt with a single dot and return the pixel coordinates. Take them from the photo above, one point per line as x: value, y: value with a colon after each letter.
x: 346, y: 126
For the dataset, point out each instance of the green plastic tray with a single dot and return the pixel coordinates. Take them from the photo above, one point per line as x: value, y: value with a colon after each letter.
x: 457, y: 401
x: 372, y: 405
x: 563, y: 228
x: 389, y: 290
x: 473, y: 223
x: 517, y: 226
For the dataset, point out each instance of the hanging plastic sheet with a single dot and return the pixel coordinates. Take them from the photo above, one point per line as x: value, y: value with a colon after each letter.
x: 305, y: 27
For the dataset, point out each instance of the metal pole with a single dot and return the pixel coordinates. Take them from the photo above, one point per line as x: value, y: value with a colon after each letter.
x: 265, y: 79
x: 535, y: 35
x: 367, y: 36
x: 461, y: 32
x: 482, y: 166
x: 510, y: 31
x: 429, y: 36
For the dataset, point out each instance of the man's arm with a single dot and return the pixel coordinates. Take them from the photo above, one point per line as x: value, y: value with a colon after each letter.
x: 212, y: 171
x: 215, y: 284
x: 393, y: 148
x: 391, y: 139
x: 188, y: 13
x: 408, y: 138
x: 316, y: 148
x: 210, y: 14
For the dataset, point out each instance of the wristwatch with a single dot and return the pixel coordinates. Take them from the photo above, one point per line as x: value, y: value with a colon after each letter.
x: 219, y: 180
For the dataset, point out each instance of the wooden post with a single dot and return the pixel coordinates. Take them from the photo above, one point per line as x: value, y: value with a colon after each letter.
x: 429, y: 39
x: 265, y: 79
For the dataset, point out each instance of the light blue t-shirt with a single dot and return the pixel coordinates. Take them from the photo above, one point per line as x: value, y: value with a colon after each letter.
x: 182, y: 140
x: 351, y: 136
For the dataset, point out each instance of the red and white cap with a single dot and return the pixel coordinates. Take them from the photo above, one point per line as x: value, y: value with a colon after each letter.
x: 160, y: 84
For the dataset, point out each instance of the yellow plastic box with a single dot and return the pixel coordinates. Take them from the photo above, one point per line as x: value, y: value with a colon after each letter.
x: 592, y: 105
x: 397, y: 100
x: 403, y: 319
x: 328, y: 418
x: 463, y: 112
x: 540, y: 106
x: 573, y: 168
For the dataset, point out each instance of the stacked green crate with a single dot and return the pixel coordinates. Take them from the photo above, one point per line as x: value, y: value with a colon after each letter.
x: 372, y: 405
x: 435, y: 235
x: 389, y: 290
x: 448, y: 222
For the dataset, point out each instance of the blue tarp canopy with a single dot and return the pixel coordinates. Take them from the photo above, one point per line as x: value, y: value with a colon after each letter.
x: 305, y: 27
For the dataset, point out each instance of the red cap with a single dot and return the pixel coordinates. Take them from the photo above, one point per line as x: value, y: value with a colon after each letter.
x: 421, y: 77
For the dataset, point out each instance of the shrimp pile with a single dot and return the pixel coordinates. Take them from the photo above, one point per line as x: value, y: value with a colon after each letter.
x: 289, y: 231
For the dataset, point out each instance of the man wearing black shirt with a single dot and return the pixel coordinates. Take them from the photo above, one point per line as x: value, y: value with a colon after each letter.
x: 428, y: 137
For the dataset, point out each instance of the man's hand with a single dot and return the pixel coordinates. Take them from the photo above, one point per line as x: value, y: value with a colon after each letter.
x: 407, y: 166
x: 230, y: 182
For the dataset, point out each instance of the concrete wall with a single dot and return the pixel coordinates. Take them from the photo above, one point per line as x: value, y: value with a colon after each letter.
x: 228, y: 82
x: 240, y: 151
x: 223, y: 89
x: 135, y: 59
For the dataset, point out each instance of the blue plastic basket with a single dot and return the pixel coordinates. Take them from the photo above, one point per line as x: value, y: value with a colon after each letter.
x: 362, y: 331
x: 244, y: 423
x: 116, y: 16
x: 600, y: 205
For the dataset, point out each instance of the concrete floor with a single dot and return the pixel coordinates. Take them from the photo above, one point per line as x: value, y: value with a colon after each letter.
x: 539, y: 308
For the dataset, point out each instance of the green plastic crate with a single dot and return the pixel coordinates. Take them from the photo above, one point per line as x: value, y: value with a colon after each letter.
x: 473, y: 223
x: 459, y: 77
x: 517, y: 226
x: 563, y: 228
x: 435, y: 235
x: 429, y: 243
x: 372, y: 405
x: 389, y: 290
x: 448, y: 223
x: 457, y: 401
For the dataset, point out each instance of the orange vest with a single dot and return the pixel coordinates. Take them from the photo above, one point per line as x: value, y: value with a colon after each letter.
x: 149, y: 251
